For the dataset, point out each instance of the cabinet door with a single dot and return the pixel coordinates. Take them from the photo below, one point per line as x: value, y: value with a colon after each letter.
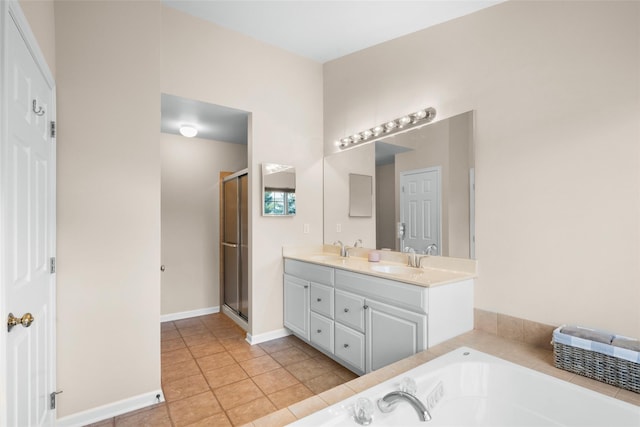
x: 350, y: 310
x: 392, y: 334
x: 296, y: 305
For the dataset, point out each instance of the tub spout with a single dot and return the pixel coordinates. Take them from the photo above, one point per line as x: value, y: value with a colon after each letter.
x: 390, y: 400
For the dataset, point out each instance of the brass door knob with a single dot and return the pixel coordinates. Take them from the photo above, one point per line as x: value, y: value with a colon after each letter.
x: 26, y: 320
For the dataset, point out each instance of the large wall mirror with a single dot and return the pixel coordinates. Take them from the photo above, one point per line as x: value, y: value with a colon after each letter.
x: 423, y: 180
x: 278, y: 190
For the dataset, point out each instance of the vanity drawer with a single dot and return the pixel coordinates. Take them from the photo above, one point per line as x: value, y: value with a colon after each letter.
x: 411, y: 297
x: 308, y: 271
x: 350, y: 346
x: 321, y: 331
x: 322, y: 299
x: 350, y: 310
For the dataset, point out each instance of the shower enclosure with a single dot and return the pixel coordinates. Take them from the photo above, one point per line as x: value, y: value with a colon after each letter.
x: 234, y: 244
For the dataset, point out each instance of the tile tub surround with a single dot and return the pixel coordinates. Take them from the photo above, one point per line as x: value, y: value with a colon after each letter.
x: 514, y: 328
x: 436, y: 270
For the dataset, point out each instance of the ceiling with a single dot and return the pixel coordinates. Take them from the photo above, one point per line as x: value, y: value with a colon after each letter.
x: 321, y: 30
x: 324, y: 30
x: 212, y: 121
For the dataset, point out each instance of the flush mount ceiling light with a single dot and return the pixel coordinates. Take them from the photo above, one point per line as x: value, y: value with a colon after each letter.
x: 388, y: 128
x: 188, y: 131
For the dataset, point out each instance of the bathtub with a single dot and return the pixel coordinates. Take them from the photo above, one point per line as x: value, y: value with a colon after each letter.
x: 469, y: 388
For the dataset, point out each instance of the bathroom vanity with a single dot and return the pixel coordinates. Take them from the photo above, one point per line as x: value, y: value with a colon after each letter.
x: 367, y: 315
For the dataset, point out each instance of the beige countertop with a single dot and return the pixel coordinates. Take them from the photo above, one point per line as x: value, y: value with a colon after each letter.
x: 435, y: 271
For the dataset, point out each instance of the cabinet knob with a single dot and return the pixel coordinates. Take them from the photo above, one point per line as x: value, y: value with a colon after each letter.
x: 346, y: 310
x: 319, y: 331
x: 346, y: 346
x: 319, y: 299
x: 306, y: 286
x: 365, y: 306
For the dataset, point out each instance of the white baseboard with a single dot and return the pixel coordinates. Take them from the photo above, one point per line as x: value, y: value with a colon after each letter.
x: 267, y: 336
x: 111, y: 410
x: 187, y: 314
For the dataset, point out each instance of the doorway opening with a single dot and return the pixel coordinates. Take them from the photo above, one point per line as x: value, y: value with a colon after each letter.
x: 191, y: 218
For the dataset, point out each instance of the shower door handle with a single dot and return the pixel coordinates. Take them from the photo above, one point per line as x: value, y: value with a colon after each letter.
x: 230, y: 245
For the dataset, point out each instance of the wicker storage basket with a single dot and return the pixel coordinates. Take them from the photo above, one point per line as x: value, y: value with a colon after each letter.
x: 597, y: 359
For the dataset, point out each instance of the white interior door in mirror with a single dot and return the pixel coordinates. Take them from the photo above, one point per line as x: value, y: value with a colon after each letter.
x: 420, y: 208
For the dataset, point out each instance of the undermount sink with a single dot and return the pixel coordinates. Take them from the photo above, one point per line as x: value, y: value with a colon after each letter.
x: 324, y: 258
x: 396, y: 269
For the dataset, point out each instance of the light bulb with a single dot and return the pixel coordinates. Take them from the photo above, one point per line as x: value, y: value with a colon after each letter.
x: 188, y: 131
x: 404, y: 120
x: 377, y: 130
x: 419, y: 115
x: 389, y: 126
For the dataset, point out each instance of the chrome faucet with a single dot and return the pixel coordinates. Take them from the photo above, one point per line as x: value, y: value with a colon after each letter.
x: 347, y: 252
x: 343, y: 248
x: 389, y: 402
x: 412, y: 262
x: 432, y: 249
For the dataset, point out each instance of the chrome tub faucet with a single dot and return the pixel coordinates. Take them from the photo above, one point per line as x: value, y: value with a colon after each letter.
x: 389, y: 402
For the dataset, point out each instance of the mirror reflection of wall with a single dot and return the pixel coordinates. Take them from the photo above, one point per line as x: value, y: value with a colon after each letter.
x: 360, y: 195
x: 447, y: 144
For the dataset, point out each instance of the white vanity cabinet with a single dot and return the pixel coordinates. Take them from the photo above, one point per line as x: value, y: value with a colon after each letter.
x: 366, y: 322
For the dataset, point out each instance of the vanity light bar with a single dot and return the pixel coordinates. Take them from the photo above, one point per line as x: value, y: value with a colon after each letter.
x: 389, y: 128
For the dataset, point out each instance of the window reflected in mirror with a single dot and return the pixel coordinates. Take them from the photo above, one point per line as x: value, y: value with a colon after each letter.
x: 278, y: 190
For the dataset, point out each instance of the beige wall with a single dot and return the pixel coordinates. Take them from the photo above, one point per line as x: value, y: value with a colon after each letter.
x: 284, y: 94
x: 555, y: 87
x: 108, y: 202
x: 41, y: 17
x: 191, y: 219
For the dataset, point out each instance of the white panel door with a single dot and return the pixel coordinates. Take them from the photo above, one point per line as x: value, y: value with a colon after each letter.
x: 28, y: 234
x: 420, y: 209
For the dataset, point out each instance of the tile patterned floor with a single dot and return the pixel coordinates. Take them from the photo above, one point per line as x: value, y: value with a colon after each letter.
x: 212, y: 377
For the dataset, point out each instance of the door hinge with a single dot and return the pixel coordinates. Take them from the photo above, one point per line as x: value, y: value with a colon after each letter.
x: 53, y: 129
x: 52, y: 399
x: 52, y: 265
